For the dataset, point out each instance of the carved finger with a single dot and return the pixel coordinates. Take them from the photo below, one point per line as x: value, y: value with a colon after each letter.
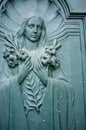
x: 35, y: 71
x: 27, y: 60
x: 30, y: 68
x: 29, y: 64
x: 40, y: 63
x: 40, y: 66
x: 37, y: 68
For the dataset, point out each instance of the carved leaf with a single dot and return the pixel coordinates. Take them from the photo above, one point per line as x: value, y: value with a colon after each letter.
x: 32, y: 93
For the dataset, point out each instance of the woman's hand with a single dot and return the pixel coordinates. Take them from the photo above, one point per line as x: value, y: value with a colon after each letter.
x: 24, y: 69
x: 42, y: 72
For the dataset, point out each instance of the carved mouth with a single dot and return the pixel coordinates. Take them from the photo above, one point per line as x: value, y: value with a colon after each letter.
x: 34, y: 36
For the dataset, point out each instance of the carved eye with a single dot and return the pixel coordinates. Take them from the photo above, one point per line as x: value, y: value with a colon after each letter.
x: 44, y: 57
x: 31, y: 26
x: 39, y: 27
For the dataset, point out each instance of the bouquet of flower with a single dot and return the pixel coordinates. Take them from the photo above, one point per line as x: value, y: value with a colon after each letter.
x: 49, y: 57
x: 12, y: 53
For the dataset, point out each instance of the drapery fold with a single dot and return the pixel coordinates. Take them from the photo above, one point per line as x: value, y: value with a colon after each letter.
x: 56, y: 113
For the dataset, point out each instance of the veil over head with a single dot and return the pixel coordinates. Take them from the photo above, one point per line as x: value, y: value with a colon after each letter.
x: 20, y: 33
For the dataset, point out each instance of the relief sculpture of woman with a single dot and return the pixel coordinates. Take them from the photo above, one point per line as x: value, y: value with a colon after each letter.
x: 30, y: 97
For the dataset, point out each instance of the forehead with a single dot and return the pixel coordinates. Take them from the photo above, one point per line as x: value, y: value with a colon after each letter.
x: 36, y: 21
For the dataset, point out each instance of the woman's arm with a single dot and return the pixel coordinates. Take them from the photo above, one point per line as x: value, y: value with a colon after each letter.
x: 42, y: 72
x: 24, y: 69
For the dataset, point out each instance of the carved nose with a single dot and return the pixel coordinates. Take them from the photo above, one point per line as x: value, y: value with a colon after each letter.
x: 35, y: 29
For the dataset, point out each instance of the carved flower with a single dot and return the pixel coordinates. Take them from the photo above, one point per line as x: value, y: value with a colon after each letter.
x: 49, y: 57
x: 12, y: 61
x: 6, y: 53
x: 55, y: 63
x: 45, y: 59
x: 11, y: 57
x: 50, y: 50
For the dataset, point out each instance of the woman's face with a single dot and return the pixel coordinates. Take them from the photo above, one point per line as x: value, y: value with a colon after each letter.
x: 33, y: 29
